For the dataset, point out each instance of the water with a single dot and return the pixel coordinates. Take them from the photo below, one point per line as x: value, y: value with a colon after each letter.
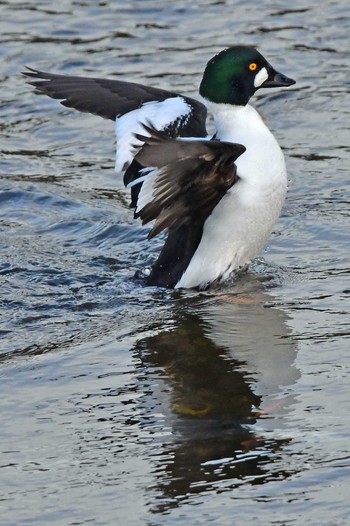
x: 130, y: 405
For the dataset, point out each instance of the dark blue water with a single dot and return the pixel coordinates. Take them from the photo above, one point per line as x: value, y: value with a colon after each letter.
x: 129, y: 405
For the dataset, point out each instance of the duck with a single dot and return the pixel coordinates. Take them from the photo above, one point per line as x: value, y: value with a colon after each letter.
x: 216, y: 197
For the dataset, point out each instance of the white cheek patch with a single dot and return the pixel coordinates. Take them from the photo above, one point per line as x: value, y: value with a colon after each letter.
x: 260, y: 78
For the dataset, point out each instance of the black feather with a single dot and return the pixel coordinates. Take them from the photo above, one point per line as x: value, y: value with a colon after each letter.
x: 108, y: 98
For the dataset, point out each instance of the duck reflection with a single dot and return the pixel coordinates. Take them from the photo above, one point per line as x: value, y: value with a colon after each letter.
x: 220, y: 374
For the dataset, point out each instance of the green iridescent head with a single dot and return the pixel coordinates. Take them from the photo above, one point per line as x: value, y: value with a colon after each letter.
x: 234, y: 75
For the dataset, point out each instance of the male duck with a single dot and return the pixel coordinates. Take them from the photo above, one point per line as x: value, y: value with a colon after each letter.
x: 218, y: 198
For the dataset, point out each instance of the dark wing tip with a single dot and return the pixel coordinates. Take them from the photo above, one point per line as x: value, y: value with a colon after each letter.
x: 40, y: 80
x: 238, y: 148
x: 35, y: 73
x: 154, y: 137
x: 149, y: 127
x: 30, y: 73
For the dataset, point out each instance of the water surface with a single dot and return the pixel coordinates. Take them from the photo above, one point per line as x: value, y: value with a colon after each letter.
x: 129, y: 405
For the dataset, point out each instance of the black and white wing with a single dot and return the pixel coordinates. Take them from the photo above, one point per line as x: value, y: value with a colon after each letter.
x: 128, y: 104
x: 182, y: 182
x: 104, y: 97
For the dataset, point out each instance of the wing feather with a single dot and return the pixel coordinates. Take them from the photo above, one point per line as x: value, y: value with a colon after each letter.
x: 188, y: 178
x: 104, y: 97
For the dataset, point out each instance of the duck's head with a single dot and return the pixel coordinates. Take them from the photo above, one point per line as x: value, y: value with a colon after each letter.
x: 234, y: 75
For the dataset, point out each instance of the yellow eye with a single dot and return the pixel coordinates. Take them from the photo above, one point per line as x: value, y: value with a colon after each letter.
x: 253, y: 66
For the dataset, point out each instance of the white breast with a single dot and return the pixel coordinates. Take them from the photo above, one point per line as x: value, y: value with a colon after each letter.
x: 244, y: 218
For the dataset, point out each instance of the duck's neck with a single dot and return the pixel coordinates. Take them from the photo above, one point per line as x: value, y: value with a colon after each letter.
x: 231, y: 121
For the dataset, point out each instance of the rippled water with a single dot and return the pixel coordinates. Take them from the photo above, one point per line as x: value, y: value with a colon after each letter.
x: 130, y: 405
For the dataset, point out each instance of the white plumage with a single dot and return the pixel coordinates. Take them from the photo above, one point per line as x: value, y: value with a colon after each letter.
x: 244, y: 218
x: 160, y: 114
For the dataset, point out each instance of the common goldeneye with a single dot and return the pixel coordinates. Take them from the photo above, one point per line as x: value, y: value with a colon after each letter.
x: 218, y: 198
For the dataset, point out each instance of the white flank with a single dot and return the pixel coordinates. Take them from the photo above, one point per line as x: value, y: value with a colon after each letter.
x: 244, y: 218
x: 159, y: 114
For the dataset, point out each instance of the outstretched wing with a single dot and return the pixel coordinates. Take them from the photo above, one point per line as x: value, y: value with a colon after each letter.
x: 185, y: 179
x: 104, y: 97
x: 127, y: 103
